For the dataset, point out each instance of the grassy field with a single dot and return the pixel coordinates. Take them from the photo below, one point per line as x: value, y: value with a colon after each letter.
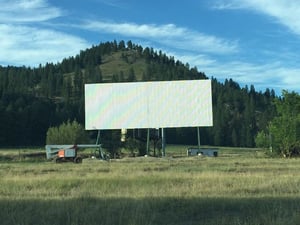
x: 241, y: 186
x: 114, y: 63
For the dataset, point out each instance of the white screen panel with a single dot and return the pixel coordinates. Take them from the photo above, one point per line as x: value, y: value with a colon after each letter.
x: 148, y: 104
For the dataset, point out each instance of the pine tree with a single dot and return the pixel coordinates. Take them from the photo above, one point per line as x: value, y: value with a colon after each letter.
x: 131, y: 75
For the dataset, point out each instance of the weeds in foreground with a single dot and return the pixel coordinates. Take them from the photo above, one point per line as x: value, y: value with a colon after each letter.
x: 208, y: 191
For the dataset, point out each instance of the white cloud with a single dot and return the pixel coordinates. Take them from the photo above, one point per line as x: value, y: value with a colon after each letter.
x: 168, y: 35
x: 31, y: 46
x: 282, y: 71
x: 28, y: 38
x: 285, y: 12
x: 272, y: 75
x: 203, y: 51
x: 112, y: 3
x: 25, y: 40
x: 24, y: 11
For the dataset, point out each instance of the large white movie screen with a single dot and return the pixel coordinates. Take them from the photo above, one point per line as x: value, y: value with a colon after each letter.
x: 148, y: 104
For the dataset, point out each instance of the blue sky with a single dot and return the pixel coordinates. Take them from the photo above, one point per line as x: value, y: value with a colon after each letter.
x: 251, y: 41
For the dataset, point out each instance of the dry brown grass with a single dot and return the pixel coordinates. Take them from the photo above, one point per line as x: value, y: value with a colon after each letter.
x: 199, y: 190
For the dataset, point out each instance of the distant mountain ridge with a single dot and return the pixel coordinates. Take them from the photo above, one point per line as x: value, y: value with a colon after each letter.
x: 33, y: 99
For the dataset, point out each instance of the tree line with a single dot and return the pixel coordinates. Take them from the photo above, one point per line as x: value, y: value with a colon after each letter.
x: 34, y: 99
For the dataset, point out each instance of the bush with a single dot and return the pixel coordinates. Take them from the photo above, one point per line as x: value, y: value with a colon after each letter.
x: 262, y: 140
x: 285, y: 127
x: 136, y: 147
x: 67, y: 133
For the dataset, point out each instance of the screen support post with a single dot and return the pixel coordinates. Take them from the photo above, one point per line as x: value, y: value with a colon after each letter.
x: 163, y: 142
x: 98, y: 138
x: 198, y: 135
x: 148, y: 141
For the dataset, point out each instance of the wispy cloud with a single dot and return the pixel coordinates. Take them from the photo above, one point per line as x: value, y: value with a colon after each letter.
x: 168, y: 35
x: 212, y: 55
x: 282, y: 69
x: 26, y: 40
x: 272, y: 75
x: 32, y: 46
x: 285, y: 12
x: 30, y: 36
x: 112, y: 3
x: 24, y: 11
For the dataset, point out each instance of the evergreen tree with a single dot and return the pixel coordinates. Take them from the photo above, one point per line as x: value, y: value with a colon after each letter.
x: 32, y: 99
x: 131, y: 75
x: 250, y: 122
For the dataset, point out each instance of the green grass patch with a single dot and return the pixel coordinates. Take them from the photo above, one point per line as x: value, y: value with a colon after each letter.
x: 114, y: 63
x: 30, y: 154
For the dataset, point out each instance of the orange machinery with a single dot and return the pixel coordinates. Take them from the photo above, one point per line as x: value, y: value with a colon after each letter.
x: 68, y: 153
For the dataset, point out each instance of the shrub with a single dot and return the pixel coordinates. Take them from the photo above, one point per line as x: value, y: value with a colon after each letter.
x: 67, y: 133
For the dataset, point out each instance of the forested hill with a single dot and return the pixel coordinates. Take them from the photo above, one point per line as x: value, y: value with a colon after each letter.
x: 33, y: 99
